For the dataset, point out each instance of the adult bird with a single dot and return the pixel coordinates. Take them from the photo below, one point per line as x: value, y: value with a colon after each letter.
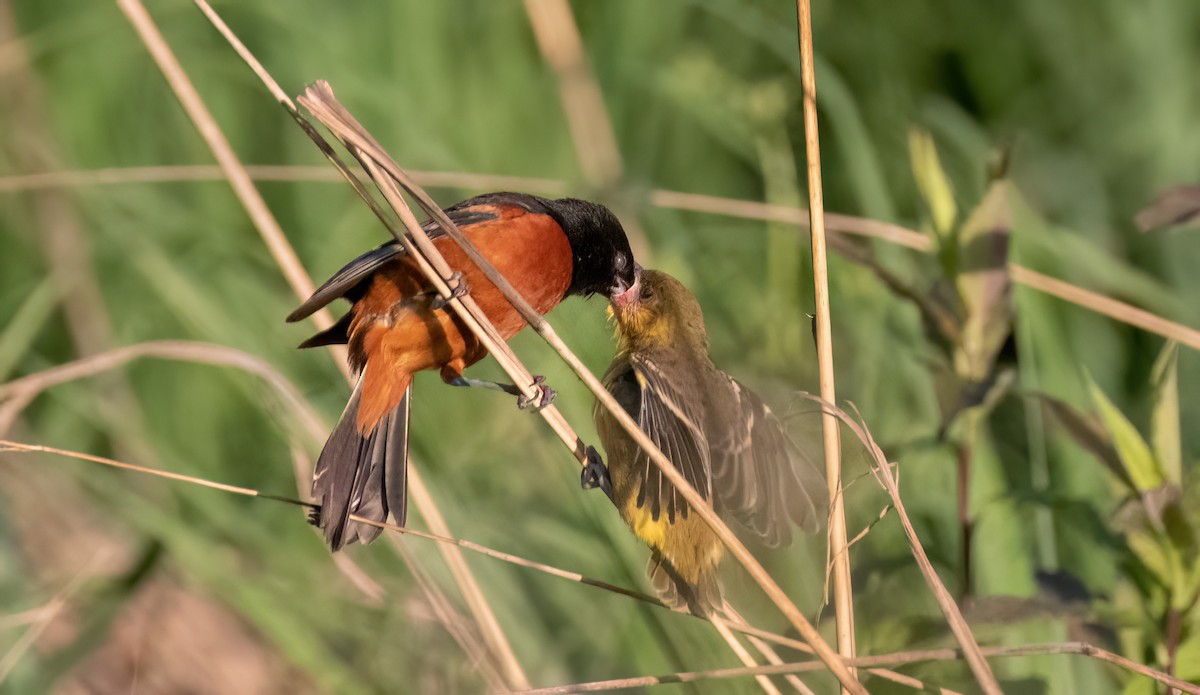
x: 398, y: 325
x: 717, y: 433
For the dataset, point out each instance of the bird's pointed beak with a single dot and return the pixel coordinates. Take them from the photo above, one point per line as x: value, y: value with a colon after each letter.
x: 621, y: 294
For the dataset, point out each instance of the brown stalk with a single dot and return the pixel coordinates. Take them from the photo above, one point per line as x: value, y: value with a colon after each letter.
x: 24, y: 389
x: 1100, y: 304
x: 896, y: 659
x: 743, y: 655
x: 184, y: 350
x: 320, y: 101
x: 282, y: 251
x: 958, y: 624
x: 843, y: 593
x: 387, y: 189
x: 558, y: 39
x: 592, y: 133
x: 870, y: 662
x: 454, y: 623
x: 754, y: 210
x: 437, y: 599
x: 63, y: 242
x: 675, y: 200
x: 363, y: 145
x: 263, y: 172
x: 302, y: 285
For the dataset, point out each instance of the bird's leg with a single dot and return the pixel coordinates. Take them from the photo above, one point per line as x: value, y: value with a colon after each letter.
x: 595, y: 474
x: 458, y: 288
x: 544, y: 394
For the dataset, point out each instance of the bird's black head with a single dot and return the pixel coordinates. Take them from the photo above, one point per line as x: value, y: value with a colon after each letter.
x: 603, y: 261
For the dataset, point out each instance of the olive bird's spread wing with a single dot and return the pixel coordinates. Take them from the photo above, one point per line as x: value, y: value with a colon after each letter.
x: 761, y: 478
x: 673, y: 424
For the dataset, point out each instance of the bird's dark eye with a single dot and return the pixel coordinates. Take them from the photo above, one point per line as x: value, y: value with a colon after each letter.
x: 646, y: 293
x: 620, y: 261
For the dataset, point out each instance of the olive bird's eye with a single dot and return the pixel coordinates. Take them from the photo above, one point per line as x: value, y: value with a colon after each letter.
x: 646, y: 293
x: 620, y: 261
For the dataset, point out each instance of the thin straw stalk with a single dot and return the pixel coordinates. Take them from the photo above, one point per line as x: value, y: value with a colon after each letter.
x: 950, y: 610
x: 835, y: 224
x: 870, y: 663
x: 843, y: 594
x: 368, y: 150
x: 301, y: 283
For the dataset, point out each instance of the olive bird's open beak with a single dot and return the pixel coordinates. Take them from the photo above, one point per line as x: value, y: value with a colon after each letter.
x: 622, y: 295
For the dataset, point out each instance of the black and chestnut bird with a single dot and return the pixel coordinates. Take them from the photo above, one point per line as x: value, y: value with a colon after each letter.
x: 398, y: 325
x: 721, y: 436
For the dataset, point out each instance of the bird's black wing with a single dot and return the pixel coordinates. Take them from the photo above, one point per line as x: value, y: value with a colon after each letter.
x: 762, y: 479
x: 346, y: 282
x: 673, y: 423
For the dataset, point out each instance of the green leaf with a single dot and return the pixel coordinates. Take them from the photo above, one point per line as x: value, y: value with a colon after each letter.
x: 1164, y: 421
x: 984, y: 284
x: 1090, y: 435
x: 1187, y: 659
x: 1132, y: 449
x: 931, y: 180
x: 1152, y: 554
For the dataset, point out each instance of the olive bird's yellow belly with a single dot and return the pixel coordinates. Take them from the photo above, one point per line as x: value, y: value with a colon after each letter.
x: 689, y: 544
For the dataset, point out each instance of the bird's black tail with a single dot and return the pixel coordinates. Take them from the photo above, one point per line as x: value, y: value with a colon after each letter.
x: 703, y: 597
x: 363, y: 475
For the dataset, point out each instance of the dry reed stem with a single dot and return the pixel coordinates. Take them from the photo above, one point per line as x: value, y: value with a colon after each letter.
x: 263, y: 172
x: 558, y: 39
x: 732, y: 618
x: 63, y: 242
x: 321, y: 102
x: 896, y: 659
x: 182, y: 350
x: 23, y: 390
x: 25, y: 617
x: 371, y: 155
x: 238, y: 179
x: 869, y: 663
x: 302, y: 285
x: 675, y: 200
x: 843, y: 593
x: 592, y: 133
x: 436, y: 598
x: 362, y: 144
x: 438, y: 601
x: 958, y: 624
x: 450, y: 618
x: 743, y: 655
x: 1113, y: 308
x: 754, y: 210
x: 835, y: 666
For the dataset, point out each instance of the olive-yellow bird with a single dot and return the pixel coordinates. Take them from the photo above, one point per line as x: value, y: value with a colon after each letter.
x: 719, y: 434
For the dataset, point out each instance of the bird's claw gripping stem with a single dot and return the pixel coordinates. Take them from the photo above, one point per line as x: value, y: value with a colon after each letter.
x: 543, y: 396
x: 458, y: 288
x: 595, y: 474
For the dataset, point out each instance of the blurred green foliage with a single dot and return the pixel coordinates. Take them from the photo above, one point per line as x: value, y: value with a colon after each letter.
x: 1092, y: 102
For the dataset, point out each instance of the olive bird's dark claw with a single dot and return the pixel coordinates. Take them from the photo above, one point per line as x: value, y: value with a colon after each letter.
x: 314, y: 515
x: 595, y: 474
x: 544, y: 397
x: 458, y: 288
